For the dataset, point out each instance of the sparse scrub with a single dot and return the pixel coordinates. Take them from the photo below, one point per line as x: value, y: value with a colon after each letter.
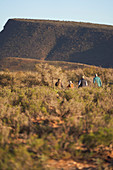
x: 39, y: 121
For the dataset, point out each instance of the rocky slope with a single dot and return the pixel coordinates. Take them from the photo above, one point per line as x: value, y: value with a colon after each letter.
x: 58, y: 40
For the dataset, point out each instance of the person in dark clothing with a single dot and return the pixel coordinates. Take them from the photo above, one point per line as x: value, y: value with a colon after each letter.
x: 59, y: 84
x: 82, y: 82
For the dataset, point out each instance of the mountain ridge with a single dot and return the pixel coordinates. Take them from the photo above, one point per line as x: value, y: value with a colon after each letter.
x: 69, y: 41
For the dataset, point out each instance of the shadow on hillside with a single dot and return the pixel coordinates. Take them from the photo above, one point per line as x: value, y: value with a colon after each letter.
x: 59, y: 49
x: 99, y: 55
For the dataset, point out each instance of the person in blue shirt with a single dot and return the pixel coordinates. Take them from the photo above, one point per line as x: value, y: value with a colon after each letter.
x: 97, y: 80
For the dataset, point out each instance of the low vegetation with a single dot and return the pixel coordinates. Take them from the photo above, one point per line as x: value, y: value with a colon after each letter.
x: 39, y: 122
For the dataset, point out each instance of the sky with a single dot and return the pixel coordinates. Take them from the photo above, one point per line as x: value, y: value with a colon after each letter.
x: 90, y: 11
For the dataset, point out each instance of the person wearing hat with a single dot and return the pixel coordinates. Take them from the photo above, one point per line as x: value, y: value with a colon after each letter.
x: 82, y: 82
x: 97, y: 80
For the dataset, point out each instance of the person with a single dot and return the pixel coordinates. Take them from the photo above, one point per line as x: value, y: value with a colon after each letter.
x: 70, y: 85
x: 59, y: 83
x: 82, y: 82
x: 97, y: 80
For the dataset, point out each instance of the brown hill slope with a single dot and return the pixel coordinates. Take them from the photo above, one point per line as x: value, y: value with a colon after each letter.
x: 58, y: 40
x: 27, y: 64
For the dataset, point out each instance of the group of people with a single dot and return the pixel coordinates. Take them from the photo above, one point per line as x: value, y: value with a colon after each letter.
x: 82, y: 82
x: 96, y: 80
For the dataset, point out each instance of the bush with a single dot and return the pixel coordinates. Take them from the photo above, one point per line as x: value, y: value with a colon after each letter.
x: 39, y: 121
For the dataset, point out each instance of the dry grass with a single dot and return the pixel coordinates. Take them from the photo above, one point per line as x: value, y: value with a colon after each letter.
x: 39, y: 122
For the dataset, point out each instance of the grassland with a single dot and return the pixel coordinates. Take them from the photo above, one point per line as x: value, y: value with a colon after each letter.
x: 41, y: 125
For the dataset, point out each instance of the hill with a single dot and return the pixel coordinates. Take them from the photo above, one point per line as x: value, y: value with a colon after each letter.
x: 27, y: 64
x: 58, y: 41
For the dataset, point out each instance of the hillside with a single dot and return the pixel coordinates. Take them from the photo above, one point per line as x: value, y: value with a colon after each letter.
x: 58, y: 41
x: 27, y: 64
x: 48, y: 128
